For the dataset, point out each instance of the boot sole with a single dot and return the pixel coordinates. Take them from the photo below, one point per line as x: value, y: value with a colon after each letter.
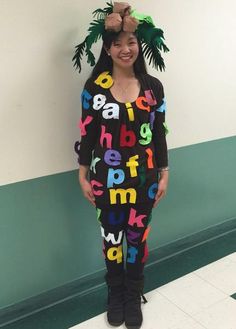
x: 116, y: 324
x: 133, y: 327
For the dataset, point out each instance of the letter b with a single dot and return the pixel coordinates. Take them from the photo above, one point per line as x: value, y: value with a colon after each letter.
x: 127, y: 137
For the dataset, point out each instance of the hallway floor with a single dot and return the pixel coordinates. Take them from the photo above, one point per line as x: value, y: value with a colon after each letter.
x: 193, y: 289
x: 202, y: 299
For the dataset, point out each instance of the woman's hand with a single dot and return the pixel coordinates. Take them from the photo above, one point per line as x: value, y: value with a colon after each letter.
x: 162, y: 187
x: 85, y: 184
x: 87, y: 190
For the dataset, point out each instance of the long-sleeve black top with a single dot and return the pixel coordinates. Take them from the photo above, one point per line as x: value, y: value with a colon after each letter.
x: 123, y: 143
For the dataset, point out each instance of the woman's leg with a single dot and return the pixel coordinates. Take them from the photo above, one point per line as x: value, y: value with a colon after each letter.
x: 113, y: 222
x: 133, y: 222
x: 137, y: 231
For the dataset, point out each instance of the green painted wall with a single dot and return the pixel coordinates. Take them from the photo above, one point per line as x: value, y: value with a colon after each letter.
x: 49, y: 234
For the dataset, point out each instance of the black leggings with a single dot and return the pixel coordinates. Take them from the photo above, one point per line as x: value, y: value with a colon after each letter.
x: 131, y: 221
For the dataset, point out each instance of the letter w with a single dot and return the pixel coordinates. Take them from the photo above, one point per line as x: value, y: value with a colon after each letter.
x: 111, y: 237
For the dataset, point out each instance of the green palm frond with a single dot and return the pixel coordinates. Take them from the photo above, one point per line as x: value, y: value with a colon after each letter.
x: 152, y: 43
x: 102, y: 13
x: 78, y: 55
x: 96, y: 30
x: 153, y: 54
x: 149, y: 33
x: 90, y: 57
x: 160, y: 44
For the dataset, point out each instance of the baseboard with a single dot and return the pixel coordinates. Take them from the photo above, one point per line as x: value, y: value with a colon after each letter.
x: 191, y: 241
x: 89, y: 283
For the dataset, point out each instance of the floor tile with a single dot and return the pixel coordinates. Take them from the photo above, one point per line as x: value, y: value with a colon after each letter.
x: 188, y: 324
x: 220, y: 274
x: 232, y: 256
x: 158, y: 310
x: 98, y: 322
x: 191, y: 293
x: 160, y: 313
x: 221, y: 315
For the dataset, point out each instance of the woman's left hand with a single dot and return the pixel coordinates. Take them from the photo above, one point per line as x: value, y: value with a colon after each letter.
x: 162, y: 187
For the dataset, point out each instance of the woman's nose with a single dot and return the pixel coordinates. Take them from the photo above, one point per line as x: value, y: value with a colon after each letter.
x: 125, y: 48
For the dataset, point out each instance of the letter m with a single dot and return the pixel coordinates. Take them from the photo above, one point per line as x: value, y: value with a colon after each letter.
x: 123, y: 195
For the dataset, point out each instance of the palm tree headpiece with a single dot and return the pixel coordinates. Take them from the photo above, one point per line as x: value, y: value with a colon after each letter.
x: 120, y: 17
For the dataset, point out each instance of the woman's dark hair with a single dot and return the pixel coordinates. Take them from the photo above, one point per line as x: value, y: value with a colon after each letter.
x: 105, y: 63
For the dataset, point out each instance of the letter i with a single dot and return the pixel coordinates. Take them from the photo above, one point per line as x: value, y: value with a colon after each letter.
x: 130, y: 111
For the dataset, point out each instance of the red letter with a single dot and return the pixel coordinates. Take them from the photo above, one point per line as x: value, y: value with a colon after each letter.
x: 150, y: 155
x: 127, y: 137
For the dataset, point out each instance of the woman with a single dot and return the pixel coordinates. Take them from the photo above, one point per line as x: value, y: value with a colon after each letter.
x: 123, y: 159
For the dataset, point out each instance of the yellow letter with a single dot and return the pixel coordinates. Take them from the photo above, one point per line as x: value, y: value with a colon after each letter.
x: 130, y: 111
x: 132, y: 163
x: 108, y: 80
x: 115, y: 253
x: 123, y: 195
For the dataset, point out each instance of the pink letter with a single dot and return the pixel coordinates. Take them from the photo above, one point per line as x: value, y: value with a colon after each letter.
x: 135, y: 220
x: 98, y: 184
x: 106, y: 136
x: 82, y: 124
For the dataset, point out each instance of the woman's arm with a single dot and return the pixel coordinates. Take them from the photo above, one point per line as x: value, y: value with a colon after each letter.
x: 162, y: 186
x: 85, y: 184
x: 89, y: 131
x: 161, y: 151
x: 88, y: 124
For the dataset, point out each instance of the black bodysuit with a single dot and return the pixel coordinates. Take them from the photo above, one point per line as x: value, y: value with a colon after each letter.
x: 123, y: 143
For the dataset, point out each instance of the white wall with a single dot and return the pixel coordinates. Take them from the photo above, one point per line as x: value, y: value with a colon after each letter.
x: 40, y: 90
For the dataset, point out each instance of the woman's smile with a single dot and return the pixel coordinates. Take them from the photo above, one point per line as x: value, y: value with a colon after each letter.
x: 126, y: 57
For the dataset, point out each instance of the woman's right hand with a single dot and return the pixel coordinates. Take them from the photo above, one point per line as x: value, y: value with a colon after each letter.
x: 87, y: 190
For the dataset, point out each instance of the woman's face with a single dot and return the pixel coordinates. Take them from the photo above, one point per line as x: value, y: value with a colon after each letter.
x: 124, y: 51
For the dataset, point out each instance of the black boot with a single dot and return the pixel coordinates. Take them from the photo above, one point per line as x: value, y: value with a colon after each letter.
x: 115, y: 300
x: 133, y: 293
